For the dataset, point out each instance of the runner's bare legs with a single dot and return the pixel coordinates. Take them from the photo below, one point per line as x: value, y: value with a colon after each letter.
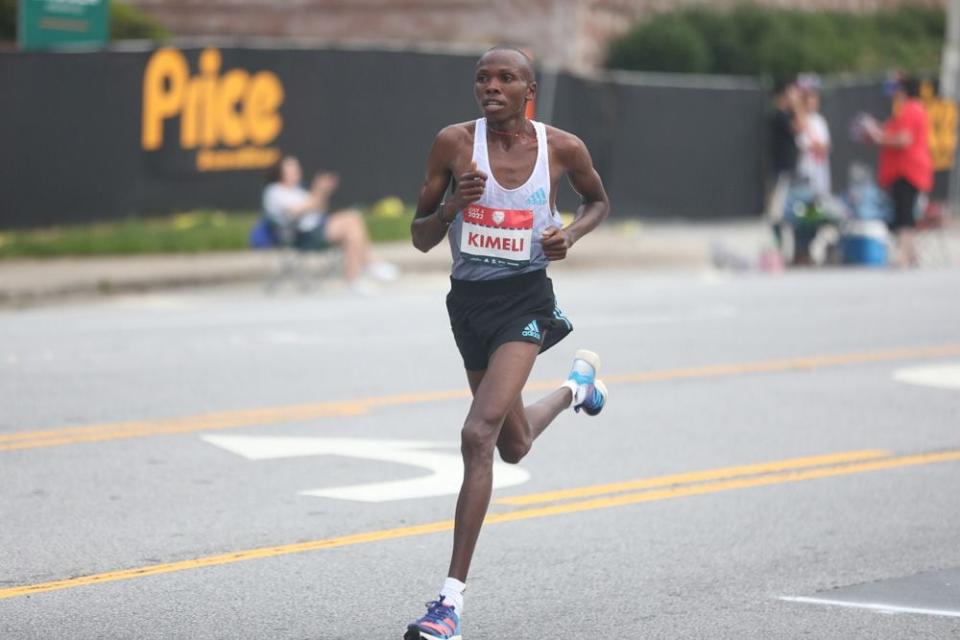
x: 497, y: 420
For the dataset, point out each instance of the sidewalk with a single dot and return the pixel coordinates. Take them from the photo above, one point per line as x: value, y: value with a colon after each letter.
x: 622, y: 244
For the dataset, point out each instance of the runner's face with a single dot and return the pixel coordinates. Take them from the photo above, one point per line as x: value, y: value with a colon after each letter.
x: 501, y: 86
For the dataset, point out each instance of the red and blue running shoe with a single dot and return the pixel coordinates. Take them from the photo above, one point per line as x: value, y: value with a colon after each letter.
x: 591, y: 394
x: 440, y: 623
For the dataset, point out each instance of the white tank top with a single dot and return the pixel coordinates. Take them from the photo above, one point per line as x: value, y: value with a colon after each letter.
x: 499, y: 235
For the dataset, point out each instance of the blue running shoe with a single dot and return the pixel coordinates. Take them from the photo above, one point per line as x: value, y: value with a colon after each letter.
x: 591, y: 394
x: 440, y: 623
x: 595, y: 401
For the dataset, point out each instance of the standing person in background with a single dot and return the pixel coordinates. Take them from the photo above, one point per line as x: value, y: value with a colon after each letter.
x: 288, y: 205
x: 785, y: 125
x: 905, y: 166
x: 813, y: 141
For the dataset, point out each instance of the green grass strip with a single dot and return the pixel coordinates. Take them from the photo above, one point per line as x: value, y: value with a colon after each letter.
x: 190, y: 232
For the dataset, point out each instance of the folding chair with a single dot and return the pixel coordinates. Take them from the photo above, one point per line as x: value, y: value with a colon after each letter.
x: 293, y: 263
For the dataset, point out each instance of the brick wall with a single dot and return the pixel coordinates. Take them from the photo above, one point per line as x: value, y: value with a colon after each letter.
x: 574, y: 32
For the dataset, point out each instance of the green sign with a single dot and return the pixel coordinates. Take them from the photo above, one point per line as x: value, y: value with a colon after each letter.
x: 49, y: 24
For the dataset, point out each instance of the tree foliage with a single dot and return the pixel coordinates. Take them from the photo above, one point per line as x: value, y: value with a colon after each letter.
x: 129, y: 23
x: 751, y: 40
x: 126, y: 23
x: 8, y: 20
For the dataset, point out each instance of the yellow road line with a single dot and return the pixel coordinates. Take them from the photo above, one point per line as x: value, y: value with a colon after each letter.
x: 304, y: 412
x: 211, y: 421
x: 228, y: 558
x: 513, y: 516
x: 726, y: 485
x: 694, y: 476
x: 790, y: 364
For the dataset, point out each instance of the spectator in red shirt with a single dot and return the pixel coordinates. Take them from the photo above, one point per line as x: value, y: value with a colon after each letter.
x: 905, y: 166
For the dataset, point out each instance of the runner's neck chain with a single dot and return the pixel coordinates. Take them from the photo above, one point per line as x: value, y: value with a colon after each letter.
x: 517, y: 135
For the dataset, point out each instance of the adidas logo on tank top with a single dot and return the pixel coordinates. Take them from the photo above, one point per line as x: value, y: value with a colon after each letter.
x: 539, y: 197
x: 499, y: 235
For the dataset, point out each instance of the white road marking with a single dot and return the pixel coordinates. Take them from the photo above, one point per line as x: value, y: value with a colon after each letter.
x: 873, y: 606
x: 943, y: 376
x: 446, y: 468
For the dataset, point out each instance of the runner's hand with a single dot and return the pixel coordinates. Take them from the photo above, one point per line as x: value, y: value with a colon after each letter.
x: 555, y: 242
x: 470, y: 186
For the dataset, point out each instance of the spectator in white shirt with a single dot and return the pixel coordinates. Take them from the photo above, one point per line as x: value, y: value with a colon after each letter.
x: 289, y: 206
x: 813, y: 140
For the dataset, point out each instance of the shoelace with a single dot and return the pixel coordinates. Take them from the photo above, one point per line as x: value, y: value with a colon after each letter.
x: 437, y: 611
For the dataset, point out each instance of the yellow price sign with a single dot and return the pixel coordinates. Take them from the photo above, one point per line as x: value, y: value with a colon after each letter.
x: 230, y: 115
x: 942, y: 115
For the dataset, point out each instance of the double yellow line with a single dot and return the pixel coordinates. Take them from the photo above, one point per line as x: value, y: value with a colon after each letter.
x: 214, y: 421
x: 554, y: 503
x: 304, y: 412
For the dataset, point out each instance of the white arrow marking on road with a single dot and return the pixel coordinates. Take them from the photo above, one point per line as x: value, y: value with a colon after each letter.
x: 945, y: 376
x: 446, y: 468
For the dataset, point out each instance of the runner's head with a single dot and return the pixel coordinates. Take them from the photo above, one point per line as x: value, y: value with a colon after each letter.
x: 908, y: 87
x: 504, y: 83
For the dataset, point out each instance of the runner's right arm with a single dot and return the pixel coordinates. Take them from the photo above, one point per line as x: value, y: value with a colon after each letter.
x: 434, y: 215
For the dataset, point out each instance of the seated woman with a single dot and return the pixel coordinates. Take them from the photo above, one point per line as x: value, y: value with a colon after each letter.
x: 291, y: 208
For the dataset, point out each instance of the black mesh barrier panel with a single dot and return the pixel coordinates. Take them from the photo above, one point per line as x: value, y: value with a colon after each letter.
x: 73, y: 149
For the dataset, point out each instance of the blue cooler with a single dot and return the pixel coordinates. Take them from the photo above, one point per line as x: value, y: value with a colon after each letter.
x: 864, y: 242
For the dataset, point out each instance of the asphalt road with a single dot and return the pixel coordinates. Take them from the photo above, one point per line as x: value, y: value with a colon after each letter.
x: 767, y: 438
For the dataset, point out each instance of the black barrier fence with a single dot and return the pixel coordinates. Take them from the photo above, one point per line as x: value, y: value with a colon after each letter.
x: 671, y: 147
x: 95, y: 136
x: 74, y: 127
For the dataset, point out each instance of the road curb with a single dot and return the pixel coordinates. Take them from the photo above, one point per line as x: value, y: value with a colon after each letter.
x: 627, y: 244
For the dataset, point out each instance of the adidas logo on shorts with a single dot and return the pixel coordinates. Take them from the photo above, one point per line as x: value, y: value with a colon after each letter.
x: 531, y: 331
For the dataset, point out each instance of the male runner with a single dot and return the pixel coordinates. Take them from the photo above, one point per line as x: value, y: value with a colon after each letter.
x: 503, y: 227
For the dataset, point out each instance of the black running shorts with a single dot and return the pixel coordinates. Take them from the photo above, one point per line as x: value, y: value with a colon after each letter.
x: 485, y: 314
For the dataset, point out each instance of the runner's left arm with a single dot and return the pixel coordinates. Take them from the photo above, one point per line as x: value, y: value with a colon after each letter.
x: 594, y: 204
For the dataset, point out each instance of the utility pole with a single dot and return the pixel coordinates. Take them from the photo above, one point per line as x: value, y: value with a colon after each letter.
x: 950, y: 90
x: 554, y: 61
x: 950, y: 68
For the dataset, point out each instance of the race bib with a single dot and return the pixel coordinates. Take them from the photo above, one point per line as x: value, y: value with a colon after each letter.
x: 498, y: 237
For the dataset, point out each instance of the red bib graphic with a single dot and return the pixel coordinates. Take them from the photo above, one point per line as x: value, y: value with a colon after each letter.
x: 498, y: 237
